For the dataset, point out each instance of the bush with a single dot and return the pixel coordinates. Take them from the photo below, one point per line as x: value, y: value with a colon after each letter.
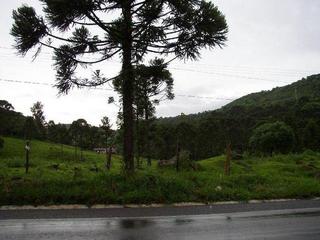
x: 272, y: 138
x: 311, y: 135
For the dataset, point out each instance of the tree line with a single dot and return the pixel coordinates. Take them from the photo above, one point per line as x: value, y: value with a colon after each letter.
x: 79, y: 133
x: 275, y: 128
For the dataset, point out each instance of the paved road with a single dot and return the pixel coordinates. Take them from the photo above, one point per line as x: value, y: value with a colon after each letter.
x: 164, y: 211
x: 276, y: 224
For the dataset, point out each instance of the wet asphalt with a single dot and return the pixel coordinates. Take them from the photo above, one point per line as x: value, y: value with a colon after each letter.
x: 161, y: 211
x: 281, y: 220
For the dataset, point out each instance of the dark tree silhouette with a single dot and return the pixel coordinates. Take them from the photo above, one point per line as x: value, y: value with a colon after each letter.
x: 30, y: 129
x: 6, y: 105
x: 153, y: 84
x: 106, y: 126
x: 78, y: 131
x: 39, y: 118
x: 107, y: 28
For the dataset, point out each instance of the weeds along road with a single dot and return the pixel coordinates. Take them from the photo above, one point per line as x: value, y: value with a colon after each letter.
x: 281, y: 220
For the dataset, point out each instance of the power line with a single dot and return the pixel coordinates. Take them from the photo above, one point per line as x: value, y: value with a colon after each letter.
x: 45, y: 84
x: 228, y: 75
x: 225, y: 72
x: 220, y: 72
x: 248, y: 68
x: 208, y: 72
x: 106, y: 89
x: 202, y: 97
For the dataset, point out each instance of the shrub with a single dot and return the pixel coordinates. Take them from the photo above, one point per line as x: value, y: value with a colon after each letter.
x: 311, y: 135
x: 271, y: 138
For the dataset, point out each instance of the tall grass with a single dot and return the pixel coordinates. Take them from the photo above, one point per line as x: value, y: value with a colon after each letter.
x: 61, y: 178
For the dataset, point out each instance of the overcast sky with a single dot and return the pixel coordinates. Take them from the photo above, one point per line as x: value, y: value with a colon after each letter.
x: 271, y: 43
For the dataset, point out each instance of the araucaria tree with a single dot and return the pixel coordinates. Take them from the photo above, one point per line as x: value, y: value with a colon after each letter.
x: 107, y: 28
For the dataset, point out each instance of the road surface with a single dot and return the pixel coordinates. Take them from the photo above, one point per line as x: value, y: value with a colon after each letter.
x: 292, y: 223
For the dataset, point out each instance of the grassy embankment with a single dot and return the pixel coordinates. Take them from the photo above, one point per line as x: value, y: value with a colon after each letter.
x: 56, y: 178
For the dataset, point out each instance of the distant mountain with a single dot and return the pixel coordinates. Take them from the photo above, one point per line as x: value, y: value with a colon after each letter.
x: 306, y: 88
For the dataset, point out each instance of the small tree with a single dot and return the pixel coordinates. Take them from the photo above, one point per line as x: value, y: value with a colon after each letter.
x: 39, y: 118
x: 78, y: 131
x: 311, y: 135
x: 271, y: 138
x: 154, y: 83
x: 106, y: 126
x: 30, y: 129
x: 52, y: 132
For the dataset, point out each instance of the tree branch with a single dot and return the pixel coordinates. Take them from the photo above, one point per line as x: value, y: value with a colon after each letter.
x: 78, y: 61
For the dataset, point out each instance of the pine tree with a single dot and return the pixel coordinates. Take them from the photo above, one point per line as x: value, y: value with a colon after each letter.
x: 130, y: 29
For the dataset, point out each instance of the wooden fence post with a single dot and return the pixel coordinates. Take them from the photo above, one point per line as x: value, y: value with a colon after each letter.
x: 27, y: 148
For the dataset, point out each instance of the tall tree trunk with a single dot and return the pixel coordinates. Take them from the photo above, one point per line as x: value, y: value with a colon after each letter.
x: 109, y: 157
x: 178, y: 156
x: 127, y: 89
x: 148, y: 137
x: 137, y: 140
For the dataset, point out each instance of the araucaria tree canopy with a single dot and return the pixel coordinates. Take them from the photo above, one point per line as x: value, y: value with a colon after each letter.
x: 129, y: 29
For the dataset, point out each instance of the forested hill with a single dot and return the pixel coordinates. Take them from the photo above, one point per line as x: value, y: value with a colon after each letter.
x: 206, y: 134
x: 306, y: 88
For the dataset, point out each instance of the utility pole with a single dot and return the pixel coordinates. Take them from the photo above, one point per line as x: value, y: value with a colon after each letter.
x: 27, y: 148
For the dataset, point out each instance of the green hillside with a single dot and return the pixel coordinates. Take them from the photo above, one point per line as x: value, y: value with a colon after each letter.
x: 206, y: 134
x: 61, y: 178
x: 306, y: 88
x: 45, y: 155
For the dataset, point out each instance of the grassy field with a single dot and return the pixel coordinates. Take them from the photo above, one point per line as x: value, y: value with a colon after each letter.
x: 57, y: 177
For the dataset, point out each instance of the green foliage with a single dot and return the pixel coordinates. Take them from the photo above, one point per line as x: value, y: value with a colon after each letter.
x: 311, y: 135
x: 31, y: 131
x: 296, y: 105
x: 11, y: 122
x: 307, y: 88
x: 28, y: 28
x: 56, y: 177
x: 39, y: 119
x: 272, y: 138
